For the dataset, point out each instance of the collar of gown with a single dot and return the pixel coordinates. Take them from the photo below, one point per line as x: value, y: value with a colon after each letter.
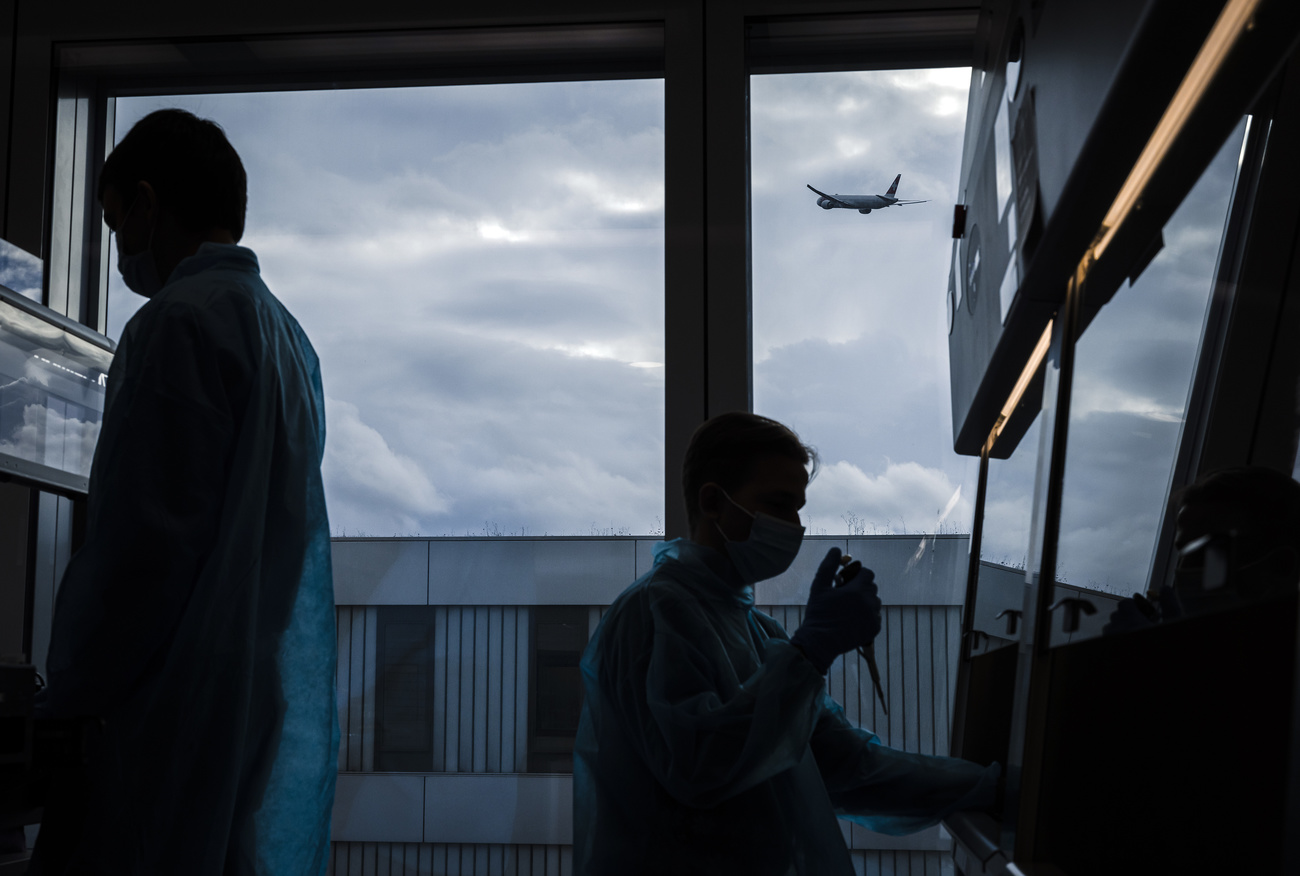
x: 709, y: 569
x: 215, y: 255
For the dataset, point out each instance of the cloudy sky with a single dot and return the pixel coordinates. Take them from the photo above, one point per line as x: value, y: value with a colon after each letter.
x: 481, y: 271
x: 850, y: 326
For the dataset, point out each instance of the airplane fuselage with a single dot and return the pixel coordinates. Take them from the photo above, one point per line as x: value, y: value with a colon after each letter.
x: 862, y: 203
x: 856, y: 202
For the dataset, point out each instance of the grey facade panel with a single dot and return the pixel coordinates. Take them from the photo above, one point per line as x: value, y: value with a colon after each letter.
x: 380, y: 807
x: 529, y: 572
x: 381, y: 572
x: 517, y: 809
x: 645, y: 555
x: 909, y: 569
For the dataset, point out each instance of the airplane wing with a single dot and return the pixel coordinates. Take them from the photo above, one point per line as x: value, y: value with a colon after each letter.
x: 830, y: 197
x: 905, y: 203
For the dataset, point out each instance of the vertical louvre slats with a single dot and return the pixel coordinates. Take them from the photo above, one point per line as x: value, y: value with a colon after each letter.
x: 495, y: 690
x: 464, y: 704
x: 440, y: 717
x: 480, y: 670
x: 343, y: 626
x: 509, y: 682
x: 915, y: 651
x: 356, y: 688
x: 482, y: 675
x: 522, y: 650
x: 368, y: 661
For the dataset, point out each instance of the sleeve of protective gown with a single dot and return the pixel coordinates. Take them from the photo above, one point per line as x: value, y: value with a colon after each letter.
x: 891, y: 791
x: 704, y: 739
x: 156, y: 486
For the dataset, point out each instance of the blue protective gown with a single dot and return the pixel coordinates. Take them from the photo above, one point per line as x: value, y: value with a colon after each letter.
x: 198, y: 617
x: 708, y: 743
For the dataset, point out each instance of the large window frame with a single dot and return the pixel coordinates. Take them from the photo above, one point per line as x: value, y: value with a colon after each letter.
x: 60, y: 114
x: 704, y: 51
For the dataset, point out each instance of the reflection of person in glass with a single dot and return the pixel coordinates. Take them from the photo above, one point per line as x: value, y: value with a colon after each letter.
x: 1237, y: 535
x: 197, y: 620
x: 708, y: 743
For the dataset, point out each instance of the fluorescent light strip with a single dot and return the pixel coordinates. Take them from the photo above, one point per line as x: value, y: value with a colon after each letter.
x: 1026, y: 375
x: 1234, y: 19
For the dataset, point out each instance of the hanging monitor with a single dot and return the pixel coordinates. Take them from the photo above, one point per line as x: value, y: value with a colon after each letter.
x: 53, y: 379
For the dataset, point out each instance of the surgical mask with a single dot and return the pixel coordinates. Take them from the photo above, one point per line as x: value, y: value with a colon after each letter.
x: 770, y: 549
x: 138, y: 271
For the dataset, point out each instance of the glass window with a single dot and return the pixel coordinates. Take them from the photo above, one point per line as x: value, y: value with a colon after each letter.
x: 404, y: 690
x: 1133, y: 371
x: 480, y: 269
x: 997, y: 622
x: 559, y: 637
x: 850, y: 317
x: 1004, y: 545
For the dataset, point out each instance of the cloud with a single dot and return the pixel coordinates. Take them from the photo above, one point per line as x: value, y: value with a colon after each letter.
x: 370, y: 486
x: 48, y: 437
x: 905, y: 497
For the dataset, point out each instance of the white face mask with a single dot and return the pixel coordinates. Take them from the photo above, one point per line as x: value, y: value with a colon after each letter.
x: 138, y: 270
x: 770, y: 549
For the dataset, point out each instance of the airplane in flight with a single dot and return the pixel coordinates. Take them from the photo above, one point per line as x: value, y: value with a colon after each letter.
x: 863, y: 203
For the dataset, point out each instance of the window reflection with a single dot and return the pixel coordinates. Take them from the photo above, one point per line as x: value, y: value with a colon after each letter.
x: 52, y: 387
x: 1133, y: 372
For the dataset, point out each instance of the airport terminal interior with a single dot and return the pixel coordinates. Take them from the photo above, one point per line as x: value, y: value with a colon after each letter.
x: 1038, y: 311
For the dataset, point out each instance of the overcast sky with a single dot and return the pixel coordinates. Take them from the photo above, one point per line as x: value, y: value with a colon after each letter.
x: 481, y: 271
x: 850, y: 325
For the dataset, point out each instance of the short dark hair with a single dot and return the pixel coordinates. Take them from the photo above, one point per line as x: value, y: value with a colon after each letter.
x: 190, y: 164
x: 723, y: 450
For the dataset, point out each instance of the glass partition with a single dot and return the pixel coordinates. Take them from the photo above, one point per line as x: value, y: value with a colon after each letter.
x: 1004, y: 547
x: 1134, y: 367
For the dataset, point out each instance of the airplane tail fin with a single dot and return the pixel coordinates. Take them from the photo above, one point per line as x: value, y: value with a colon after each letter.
x: 894, y: 187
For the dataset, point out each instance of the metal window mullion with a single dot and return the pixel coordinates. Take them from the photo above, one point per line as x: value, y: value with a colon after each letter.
x: 685, y: 372
x: 727, y: 251
x: 1032, y: 669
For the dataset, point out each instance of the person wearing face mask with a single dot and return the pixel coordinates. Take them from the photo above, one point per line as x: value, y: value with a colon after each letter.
x: 1237, y: 534
x: 196, y: 622
x: 708, y: 743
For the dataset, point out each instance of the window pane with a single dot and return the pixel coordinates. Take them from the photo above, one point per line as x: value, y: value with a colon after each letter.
x: 480, y: 269
x: 1004, y: 546
x: 560, y: 634
x: 850, y: 320
x: 404, y: 715
x: 1133, y: 372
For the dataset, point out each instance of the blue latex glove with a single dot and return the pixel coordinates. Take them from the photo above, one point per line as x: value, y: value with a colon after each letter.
x: 840, y: 618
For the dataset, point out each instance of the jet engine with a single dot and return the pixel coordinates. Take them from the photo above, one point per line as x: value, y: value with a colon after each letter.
x: 825, y: 203
x: 865, y: 210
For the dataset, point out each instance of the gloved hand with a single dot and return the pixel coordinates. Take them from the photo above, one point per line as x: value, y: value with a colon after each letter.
x: 840, y: 617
